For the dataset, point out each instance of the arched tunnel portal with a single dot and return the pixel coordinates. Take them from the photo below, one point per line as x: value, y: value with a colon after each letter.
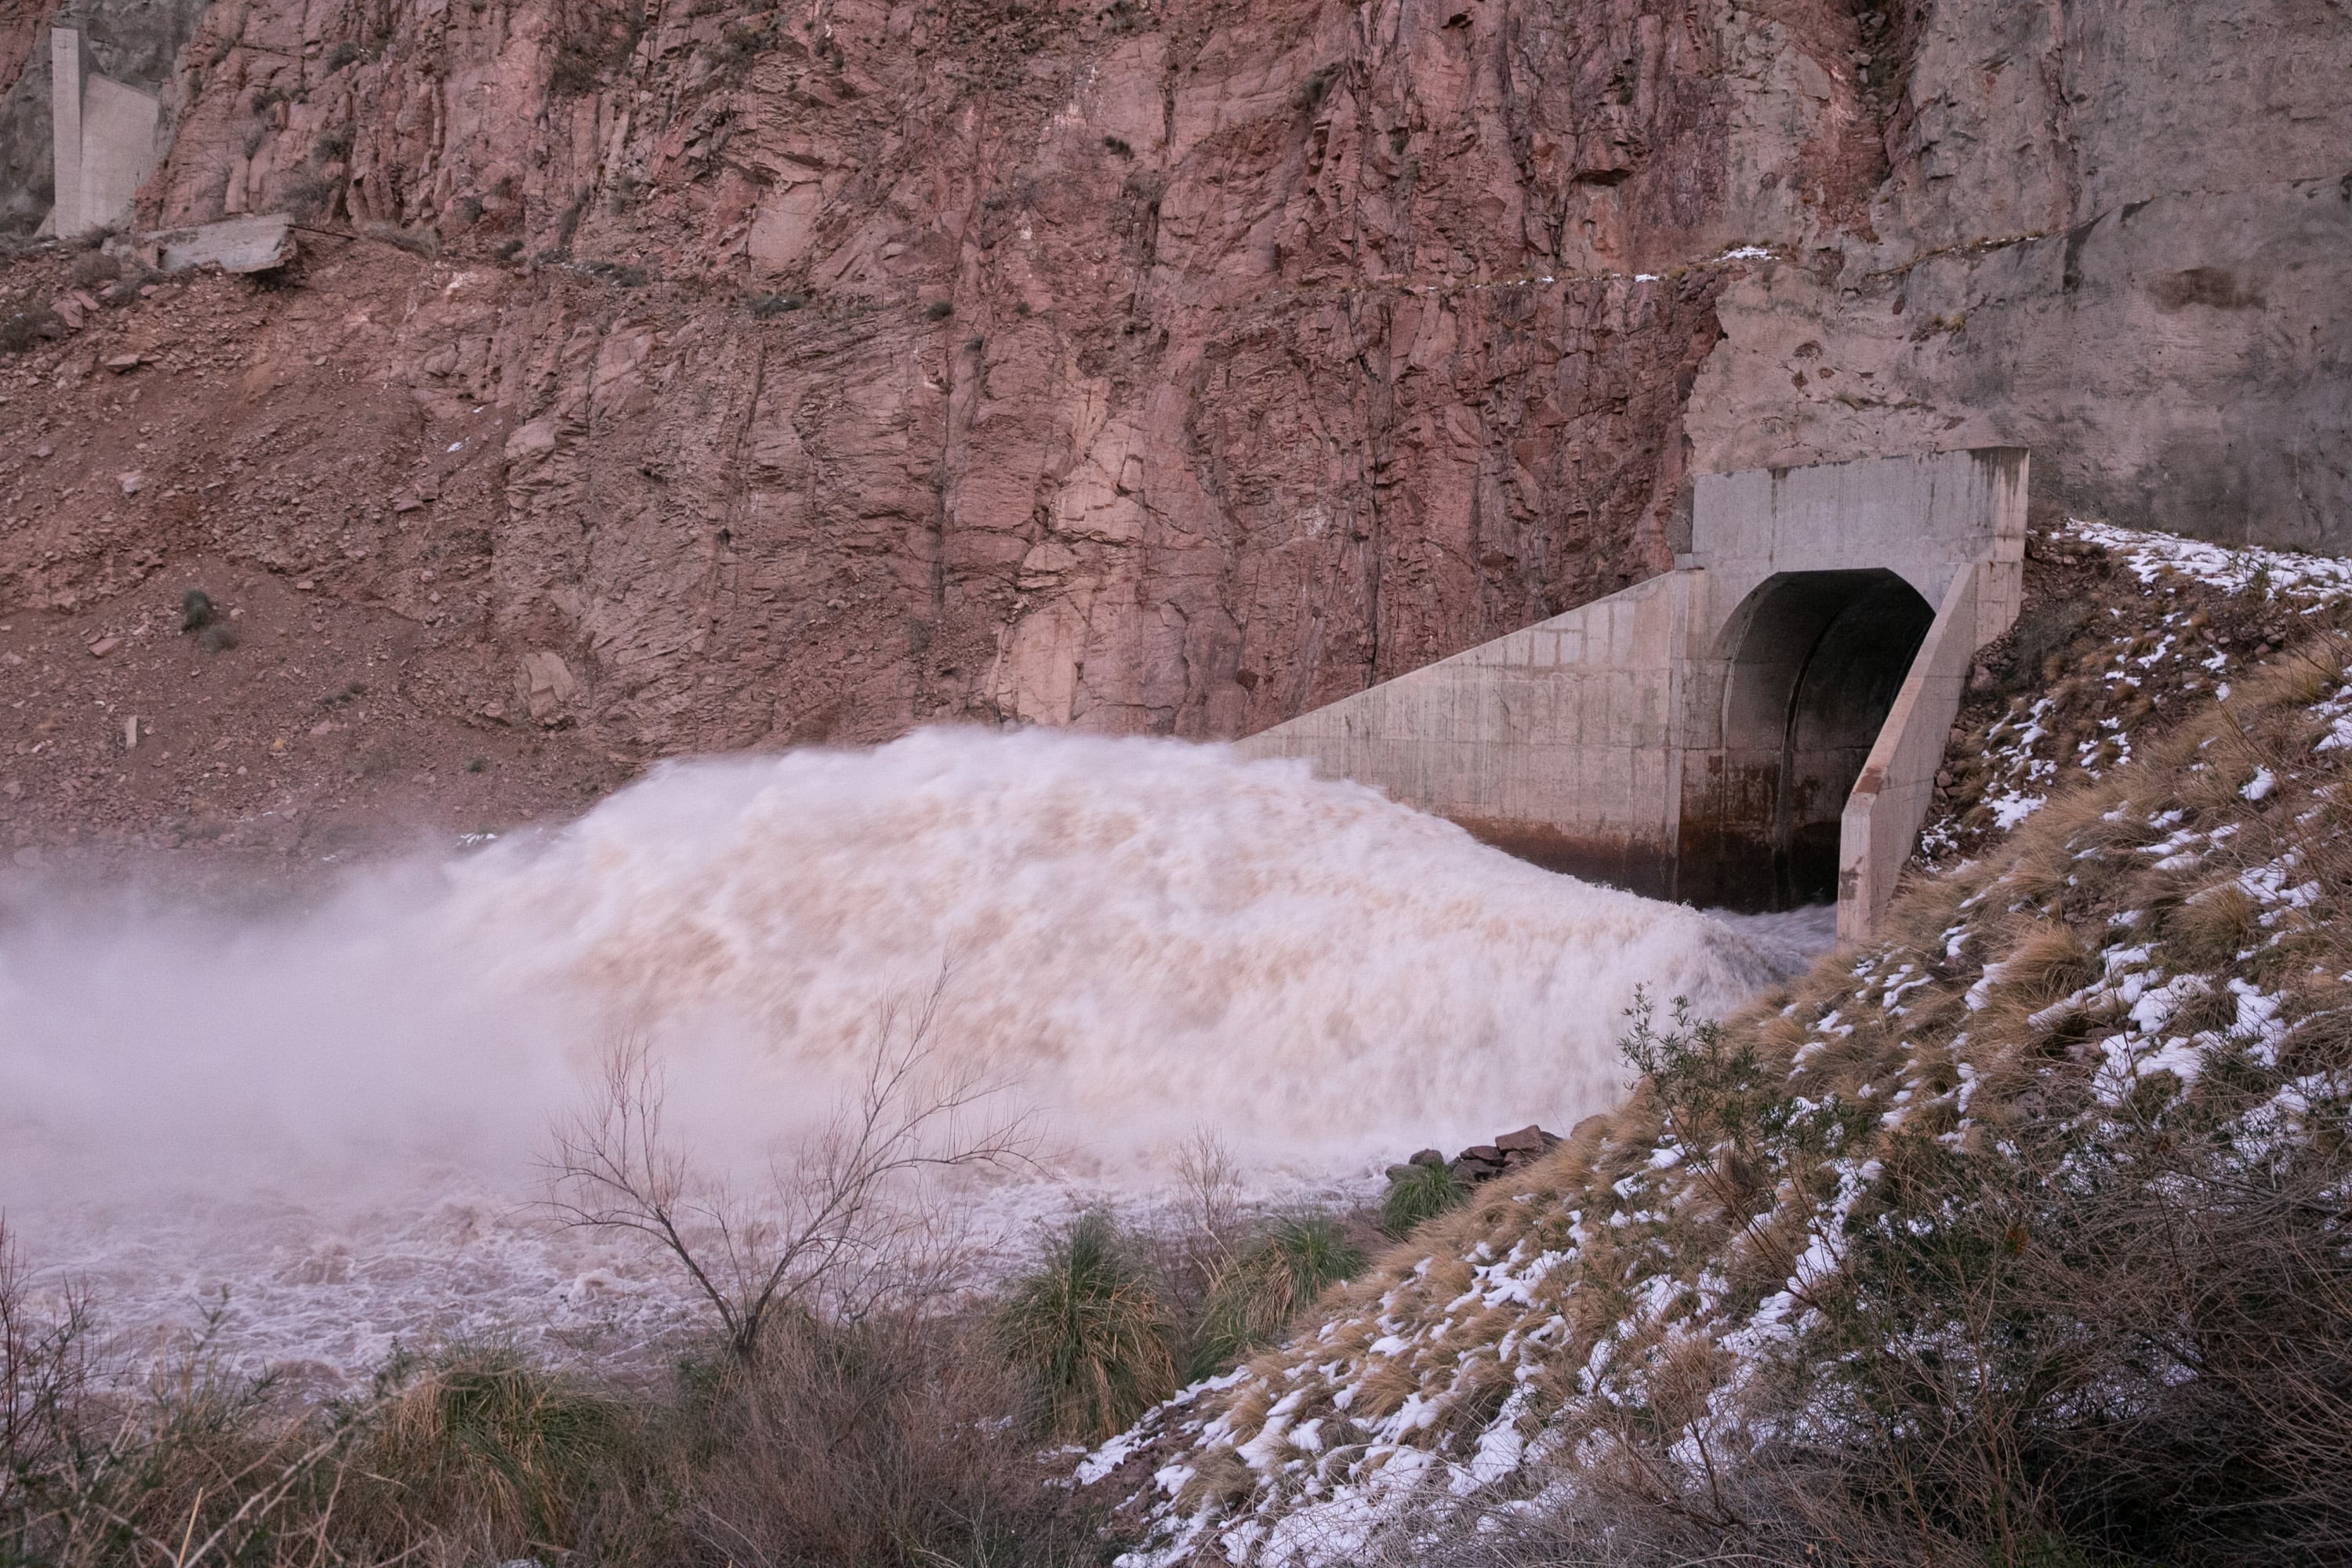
x: 1812, y: 662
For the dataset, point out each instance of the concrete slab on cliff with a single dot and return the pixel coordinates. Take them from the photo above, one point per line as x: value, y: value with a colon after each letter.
x: 255, y: 244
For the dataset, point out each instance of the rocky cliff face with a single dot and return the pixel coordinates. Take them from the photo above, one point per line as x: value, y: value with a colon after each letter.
x: 2117, y: 233
x: 697, y: 376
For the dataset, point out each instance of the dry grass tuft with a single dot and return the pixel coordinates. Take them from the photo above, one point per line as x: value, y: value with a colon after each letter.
x: 1090, y: 1331
x: 2210, y: 927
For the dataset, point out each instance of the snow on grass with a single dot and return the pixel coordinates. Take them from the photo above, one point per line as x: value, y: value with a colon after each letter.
x: 1538, y: 1330
x: 2234, y: 569
x: 2159, y: 650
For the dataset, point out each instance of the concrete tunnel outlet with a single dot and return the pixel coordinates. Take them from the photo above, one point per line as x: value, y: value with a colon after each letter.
x: 1759, y: 728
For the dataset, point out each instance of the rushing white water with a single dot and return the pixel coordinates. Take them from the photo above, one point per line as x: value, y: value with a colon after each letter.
x: 334, y: 1115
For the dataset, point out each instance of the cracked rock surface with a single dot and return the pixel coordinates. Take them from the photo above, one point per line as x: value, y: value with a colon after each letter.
x: 687, y: 377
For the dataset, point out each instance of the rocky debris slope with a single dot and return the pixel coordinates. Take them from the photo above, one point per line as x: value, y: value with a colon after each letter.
x: 810, y: 373
x: 2006, y: 1183
x: 315, y: 724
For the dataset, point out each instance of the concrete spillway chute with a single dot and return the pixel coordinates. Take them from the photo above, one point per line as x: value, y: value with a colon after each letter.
x: 1758, y: 728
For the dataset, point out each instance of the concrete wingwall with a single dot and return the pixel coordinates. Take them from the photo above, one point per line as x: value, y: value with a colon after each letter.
x: 1558, y: 744
x: 118, y: 150
x: 104, y: 143
x: 1881, y: 821
x: 1701, y: 735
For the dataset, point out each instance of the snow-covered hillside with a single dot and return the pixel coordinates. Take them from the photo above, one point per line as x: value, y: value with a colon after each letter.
x: 1933, y: 1231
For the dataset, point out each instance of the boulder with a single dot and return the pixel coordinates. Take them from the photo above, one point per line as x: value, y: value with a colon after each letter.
x: 547, y: 686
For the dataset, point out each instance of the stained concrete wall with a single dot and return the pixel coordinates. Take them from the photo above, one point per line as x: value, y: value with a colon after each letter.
x: 117, y: 149
x: 1923, y: 517
x: 1556, y: 743
x: 65, y: 122
x: 1928, y: 519
x: 104, y: 141
x: 1781, y: 719
x: 131, y: 43
x: 1607, y: 740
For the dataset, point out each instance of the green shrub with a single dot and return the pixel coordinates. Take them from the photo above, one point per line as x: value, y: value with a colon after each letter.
x: 419, y: 241
x: 1090, y: 1331
x: 579, y: 69
x: 1418, y: 1194
x: 741, y: 43
x: 310, y: 196
x: 1253, y: 1300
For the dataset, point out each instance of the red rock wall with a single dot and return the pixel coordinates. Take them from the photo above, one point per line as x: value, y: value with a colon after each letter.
x: 1165, y: 369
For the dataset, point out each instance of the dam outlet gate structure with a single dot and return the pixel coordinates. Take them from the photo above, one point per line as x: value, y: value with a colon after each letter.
x: 1759, y: 728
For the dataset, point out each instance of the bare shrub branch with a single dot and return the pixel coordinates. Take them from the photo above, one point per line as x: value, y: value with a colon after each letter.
x: 842, y: 1223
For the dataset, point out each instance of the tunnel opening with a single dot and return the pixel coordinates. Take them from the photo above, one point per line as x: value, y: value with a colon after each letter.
x: 1815, y: 660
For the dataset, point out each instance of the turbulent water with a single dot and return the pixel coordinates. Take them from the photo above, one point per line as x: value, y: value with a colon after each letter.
x: 334, y: 1117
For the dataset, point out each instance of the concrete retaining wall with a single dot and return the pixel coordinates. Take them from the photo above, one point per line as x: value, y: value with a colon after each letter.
x: 130, y: 43
x: 103, y: 140
x: 1556, y: 743
x: 1890, y: 800
x: 117, y: 149
x: 65, y: 132
x: 1923, y: 517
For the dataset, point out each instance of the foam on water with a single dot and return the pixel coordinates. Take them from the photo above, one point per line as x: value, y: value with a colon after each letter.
x: 335, y: 1115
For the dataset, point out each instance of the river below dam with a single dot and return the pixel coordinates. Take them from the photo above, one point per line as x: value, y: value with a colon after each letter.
x: 313, y: 1133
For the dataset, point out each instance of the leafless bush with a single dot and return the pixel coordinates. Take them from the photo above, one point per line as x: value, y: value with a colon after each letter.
x: 881, y: 1442
x: 418, y: 241
x: 886, y: 1441
x: 1211, y: 1228
x: 23, y: 328
x: 842, y: 1225
x: 44, y: 1377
